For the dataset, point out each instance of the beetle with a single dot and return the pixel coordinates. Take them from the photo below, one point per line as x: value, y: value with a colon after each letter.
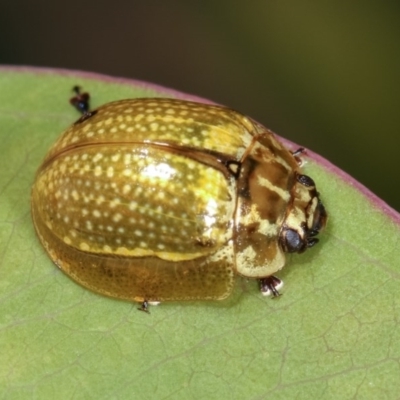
x: 157, y: 199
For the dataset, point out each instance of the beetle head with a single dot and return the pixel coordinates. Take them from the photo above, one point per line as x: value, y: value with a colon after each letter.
x: 306, y: 216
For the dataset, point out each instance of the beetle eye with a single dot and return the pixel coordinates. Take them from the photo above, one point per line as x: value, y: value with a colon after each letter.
x: 291, y: 241
x: 305, y: 180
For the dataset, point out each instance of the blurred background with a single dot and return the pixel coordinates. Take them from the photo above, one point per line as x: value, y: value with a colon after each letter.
x: 325, y: 75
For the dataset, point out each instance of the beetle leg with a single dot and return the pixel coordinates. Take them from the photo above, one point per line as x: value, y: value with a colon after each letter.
x: 144, y: 306
x: 269, y: 285
x: 297, y: 153
x: 81, y: 103
x: 81, y: 100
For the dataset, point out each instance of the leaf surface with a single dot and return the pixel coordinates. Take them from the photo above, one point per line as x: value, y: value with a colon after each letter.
x: 334, y: 334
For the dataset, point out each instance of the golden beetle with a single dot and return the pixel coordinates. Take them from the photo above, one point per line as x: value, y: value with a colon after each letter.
x: 158, y: 199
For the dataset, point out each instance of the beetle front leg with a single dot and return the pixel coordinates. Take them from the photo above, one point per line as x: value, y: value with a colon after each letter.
x: 270, y: 284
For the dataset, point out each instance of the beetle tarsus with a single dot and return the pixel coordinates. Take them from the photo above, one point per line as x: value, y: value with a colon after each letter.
x: 144, y: 306
x: 269, y: 285
x: 297, y: 155
x: 299, y: 151
x: 81, y: 101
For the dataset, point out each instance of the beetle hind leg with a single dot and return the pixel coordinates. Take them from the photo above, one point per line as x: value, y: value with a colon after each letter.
x: 144, y: 306
x: 270, y: 285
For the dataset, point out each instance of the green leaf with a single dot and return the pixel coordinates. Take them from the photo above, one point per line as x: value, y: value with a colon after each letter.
x: 333, y: 334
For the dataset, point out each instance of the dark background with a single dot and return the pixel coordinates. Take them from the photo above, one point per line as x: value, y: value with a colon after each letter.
x: 325, y: 75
